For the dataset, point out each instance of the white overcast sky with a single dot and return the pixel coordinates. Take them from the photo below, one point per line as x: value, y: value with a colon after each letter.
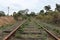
x: 32, y: 5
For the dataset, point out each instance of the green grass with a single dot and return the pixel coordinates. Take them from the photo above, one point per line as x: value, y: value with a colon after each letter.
x: 57, y: 31
x: 17, y: 35
x: 5, y: 26
x: 20, y: 30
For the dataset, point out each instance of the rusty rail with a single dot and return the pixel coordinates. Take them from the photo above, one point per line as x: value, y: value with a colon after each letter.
x: 11, y: 33
x: 49, y: 32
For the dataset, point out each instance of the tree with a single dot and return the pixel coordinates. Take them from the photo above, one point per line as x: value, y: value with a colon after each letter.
x: 20, y: 13
x: 47, y: 8
x: 23, y: 12
x: 15, y: 15
x: 2, y: 13
x: 42, y: 11
x: 32, y: 14
x: 57, y: 7
x: 26, y: 10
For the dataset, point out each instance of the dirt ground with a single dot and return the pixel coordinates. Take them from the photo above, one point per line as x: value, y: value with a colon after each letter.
x: 6, y: 20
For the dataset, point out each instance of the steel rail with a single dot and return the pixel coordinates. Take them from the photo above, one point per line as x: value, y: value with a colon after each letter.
x: 12, y: 32
x: 48, y: 32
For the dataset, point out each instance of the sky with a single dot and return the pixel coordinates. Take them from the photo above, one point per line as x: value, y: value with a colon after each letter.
x: 32, y: 5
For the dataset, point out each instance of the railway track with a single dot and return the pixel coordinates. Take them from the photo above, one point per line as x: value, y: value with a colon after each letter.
x: 32, y: 32
x: 13, y: 30
x: 52, y: 28
x: 57, y: 38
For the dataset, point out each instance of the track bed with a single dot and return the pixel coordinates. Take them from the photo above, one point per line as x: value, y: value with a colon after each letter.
x: 31, y: 31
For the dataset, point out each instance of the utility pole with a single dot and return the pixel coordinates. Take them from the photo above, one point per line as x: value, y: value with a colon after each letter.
x: 8, y: 11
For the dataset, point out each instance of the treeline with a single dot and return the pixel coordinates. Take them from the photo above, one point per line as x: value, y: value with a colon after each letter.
x: 50, y: 16
x: 23, y: 14
x: 46, y: 15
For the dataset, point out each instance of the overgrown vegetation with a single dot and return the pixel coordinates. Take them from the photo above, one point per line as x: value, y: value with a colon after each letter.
x: 50, y: 16
x: 5, y: 27
x: 20, y: 30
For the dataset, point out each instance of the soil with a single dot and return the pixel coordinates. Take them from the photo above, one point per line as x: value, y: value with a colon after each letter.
x: 6, y: 20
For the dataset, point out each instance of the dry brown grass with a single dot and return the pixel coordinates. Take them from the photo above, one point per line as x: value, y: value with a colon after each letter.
x: 6, y: 20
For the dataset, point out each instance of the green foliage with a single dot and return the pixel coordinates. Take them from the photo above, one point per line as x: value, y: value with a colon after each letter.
x: 5, y: 26
x: 32, y: 14
x: 42, y: 11
x: 15, y: 15
x: 50, y: 17
x: 57, y: 31
x: 2, y: 13
x: 24, y: 17
x: 20, y: 30
x: 45, y: 18
x: 58, y: 7
x: 47, y: 8
x: 17, y: 35
x: 21, y: 14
